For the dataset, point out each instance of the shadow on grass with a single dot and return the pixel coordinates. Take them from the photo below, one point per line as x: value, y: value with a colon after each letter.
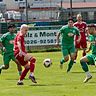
x: 16, y: 78
x: 92, y: 82
x: 83, y: 72
x: 46, y: 85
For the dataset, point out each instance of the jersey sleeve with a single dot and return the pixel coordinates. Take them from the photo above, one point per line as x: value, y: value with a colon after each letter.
x: 2, y: 38
x: 62, y: 29
x: 19, y: 38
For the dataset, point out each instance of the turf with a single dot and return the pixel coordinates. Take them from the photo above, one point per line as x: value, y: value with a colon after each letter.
x: 51, y: 81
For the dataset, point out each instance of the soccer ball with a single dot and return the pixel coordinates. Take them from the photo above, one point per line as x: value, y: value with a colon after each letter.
x: 47, y: 62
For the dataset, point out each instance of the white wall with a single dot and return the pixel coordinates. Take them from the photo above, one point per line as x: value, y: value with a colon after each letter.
x: 11, y: 4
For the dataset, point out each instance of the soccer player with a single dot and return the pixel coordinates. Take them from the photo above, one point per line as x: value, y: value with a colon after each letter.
x: 81, y: 25
x: 6, y: 42
x: 26, y: 60
x: 67, y: 33
x: 89, y: 59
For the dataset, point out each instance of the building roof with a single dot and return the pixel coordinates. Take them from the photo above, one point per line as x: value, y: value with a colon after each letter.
x: 79, y: 5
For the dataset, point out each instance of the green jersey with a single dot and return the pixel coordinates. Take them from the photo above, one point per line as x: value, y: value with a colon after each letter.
x: 7, y: 40
x: 92, y: 39
x: 67, y: 35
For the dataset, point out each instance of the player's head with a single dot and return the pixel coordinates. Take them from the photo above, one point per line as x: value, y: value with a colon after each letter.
x: 24, y: 29
x: 70, y: 22
x: 11, y: 28
x: 91, y: 29
x: 79, y: 17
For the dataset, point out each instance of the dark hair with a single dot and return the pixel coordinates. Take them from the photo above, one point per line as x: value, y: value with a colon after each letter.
x: 70, y: 18
x: 11, y: 26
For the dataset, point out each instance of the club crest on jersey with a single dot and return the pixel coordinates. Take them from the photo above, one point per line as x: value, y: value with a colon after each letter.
x: 70, y: 34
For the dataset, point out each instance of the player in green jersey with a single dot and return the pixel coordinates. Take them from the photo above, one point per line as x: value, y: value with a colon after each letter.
x: 89, y: 59
x: 6, y: 42
x: 67, y: 33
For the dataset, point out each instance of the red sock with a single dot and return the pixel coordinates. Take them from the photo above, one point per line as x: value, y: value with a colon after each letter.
x: 32, y: 64
x: 25, y: 71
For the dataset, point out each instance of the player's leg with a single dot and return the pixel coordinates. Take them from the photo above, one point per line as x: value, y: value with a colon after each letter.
x: 17, y: 63
x: 84, y: 52
x: 24, y: 62
x: 65, y: 57
x: 6, y: 60
x: 32, y: 61
x: 88, y: 59
x: 26, y: 68
x: 77, y: 46
x: 76, y: 53
x: 24, y: 73
x: 72, y: 57
x: 84, y: 46
x: 19, y: 67
x: 65, y: 53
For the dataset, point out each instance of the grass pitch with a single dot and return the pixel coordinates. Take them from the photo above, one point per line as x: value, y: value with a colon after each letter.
x: 51, y: 81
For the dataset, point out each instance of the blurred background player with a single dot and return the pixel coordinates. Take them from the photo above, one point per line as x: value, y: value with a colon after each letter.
x: 27, y: 61
x: 7, y: 44
x: 81, y: 25
x: 67, y: 33
x: 89, y: 59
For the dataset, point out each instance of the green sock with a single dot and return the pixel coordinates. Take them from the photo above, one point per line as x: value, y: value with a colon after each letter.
x: 20, y: 72
x: 70, y: 65
x: 84, y: 66
x: 62, y: 61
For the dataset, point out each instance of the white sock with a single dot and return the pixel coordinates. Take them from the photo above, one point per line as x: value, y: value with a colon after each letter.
x: 20, y: 81
x: 88, y: 74
x: 31, y: 74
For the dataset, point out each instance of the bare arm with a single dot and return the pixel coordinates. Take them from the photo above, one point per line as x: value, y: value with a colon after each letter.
x: 2, y: 47
x: 79, y: 38
x: 88, y: 50
x: 20, y: 49
x: 19, y: 46
x: 3, y: 37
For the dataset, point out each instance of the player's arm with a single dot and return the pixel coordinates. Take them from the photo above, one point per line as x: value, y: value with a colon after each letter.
x: 1, y: 46
x: 90, y: 46
x: 79, y: 38
x: 19, y: 45
x: 20, y: 48
x: 58, y: 34
x: 90, y: 42
x: 21, y: 52
x: 78, y: 34
x: 1, y: 43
